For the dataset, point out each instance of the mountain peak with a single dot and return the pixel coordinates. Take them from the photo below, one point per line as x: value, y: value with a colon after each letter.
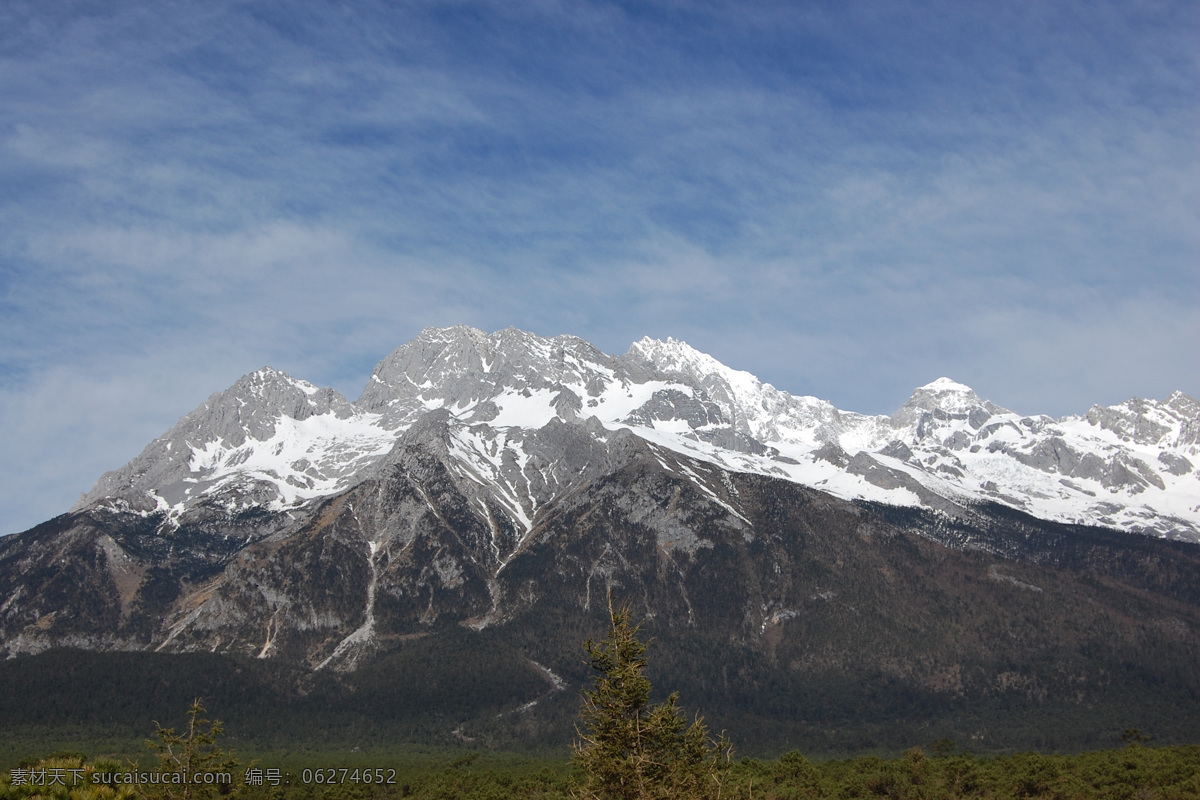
x: 267, y: 379
x: 268, y: 392
x: 944, y: 384
x: 671, y: 349
x: 676, y: 355
x: 945, y: 397
x: 1184, y: 404
x: 451, y: 333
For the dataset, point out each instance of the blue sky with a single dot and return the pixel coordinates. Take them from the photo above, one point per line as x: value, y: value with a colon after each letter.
x: 848, y: 199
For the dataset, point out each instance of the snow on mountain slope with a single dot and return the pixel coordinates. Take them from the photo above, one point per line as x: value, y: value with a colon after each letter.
x: 1070, y: 469
x: 274, y: 441
x: 270, y: 440
x: 751, y: 406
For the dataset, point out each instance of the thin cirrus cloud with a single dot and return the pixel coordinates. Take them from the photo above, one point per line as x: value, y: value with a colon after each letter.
x: 848, y: 200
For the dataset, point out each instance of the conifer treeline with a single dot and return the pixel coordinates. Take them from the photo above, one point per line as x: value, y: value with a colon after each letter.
x: 1132, y: 771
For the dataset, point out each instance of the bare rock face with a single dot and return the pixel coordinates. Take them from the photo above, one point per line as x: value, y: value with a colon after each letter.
x: 1133, y: 421
x: 462, y: 367
x: 1175, y: 464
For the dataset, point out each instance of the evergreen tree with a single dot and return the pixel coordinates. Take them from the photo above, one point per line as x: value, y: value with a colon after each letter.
x: 192, y: 756
x: 629, y: 749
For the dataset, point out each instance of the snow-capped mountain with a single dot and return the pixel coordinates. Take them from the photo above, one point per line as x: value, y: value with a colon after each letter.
x: 795, y: 563
x: 274, y: 442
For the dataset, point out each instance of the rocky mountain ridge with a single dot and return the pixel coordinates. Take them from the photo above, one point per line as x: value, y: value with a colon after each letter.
x: 273, y: 441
